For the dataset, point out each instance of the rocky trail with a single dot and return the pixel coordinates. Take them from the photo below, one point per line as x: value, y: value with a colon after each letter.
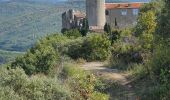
x: 125, y: 90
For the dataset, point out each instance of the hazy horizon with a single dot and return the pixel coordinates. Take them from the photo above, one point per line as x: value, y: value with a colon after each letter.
x: 56, y: 1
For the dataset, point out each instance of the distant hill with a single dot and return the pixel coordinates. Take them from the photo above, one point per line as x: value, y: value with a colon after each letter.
x: 6, y: 56
x: 22, y: 23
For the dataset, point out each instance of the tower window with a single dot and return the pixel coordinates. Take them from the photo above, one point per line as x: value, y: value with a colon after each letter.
x: 135, y: 11
x: 124, y: 12
x: 107, y: 12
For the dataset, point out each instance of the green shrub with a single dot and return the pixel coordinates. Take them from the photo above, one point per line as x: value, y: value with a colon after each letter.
x: 75, y: 48
x: 99, y: 96
x: 82, y: 84
x: 38, y: 60
x: 96, y: 47
x: 160, y: 64
x: 138, y: 71
x: 72, y: 33
x: 44, y: 56
x: 93, y: 47
x: 6, y: 93
x: 124, y: 54
x: 145, y: 29
x: 30, y: 88
x: 156, y: 92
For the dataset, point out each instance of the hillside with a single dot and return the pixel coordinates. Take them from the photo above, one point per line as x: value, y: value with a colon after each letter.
x: 6, y: 56
x: 22, y: 23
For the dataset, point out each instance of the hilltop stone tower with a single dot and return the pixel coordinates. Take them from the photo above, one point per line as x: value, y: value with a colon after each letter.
x: 95, y: 12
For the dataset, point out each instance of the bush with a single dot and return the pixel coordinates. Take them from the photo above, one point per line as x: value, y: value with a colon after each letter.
x: 72, y: 33
x: 30, y: 88
x: 124, y: 54
x: 82, y: 84
x: 159, y: 68
x: 6, y: 93
x: 138, y: 71
x: 160, y: 64
x: 93, y: 47
x: 96, y: 47
x: 75, y: 48
x: 44, y: 56
x: 40, y: 60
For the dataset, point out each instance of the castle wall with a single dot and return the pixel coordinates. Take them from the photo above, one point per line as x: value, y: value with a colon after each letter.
x: 72, y: 19
x: 124, y: 17
x: 95, y: 11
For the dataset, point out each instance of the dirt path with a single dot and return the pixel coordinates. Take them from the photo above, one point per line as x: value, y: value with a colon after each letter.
x: 125, y: 92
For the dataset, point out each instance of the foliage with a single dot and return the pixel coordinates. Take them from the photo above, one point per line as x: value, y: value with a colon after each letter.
x: 85, y: 28
x: 164, y: 23
x: 138, y: 71
x: 93, y: 47
x: 124, y: 54
x: 107, y: 28
x: 6, y: 93
x: 82, y: 84
x: 124, y: 33
x: 145, y: 29
x: 72, y: 33
x: 40, y: 60
x: 115, y: 35
x: 112, y: 34
x: 96, y: 47
x: 43, y: 57
x: 47, y: 54
x: 35, y: 87
x: 76, y: 49
x: 160, y: 63
x: 154, y: 5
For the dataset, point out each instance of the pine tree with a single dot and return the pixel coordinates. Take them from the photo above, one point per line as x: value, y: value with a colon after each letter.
x: 107, y: 28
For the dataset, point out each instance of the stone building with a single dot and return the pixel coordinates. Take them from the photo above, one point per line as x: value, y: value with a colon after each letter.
x: 118, y: 15
x: 122, y: 15
x: 72, y: 19
x: 95, y: 11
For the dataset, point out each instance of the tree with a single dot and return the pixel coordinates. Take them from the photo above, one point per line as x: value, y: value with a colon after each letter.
x: 107, y: 28
x: 113, y: 35
x: 145, y: 28
x: 154, y: 6
x: 161, y: 59
x: 164, y: 22
x: 85, y: 27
